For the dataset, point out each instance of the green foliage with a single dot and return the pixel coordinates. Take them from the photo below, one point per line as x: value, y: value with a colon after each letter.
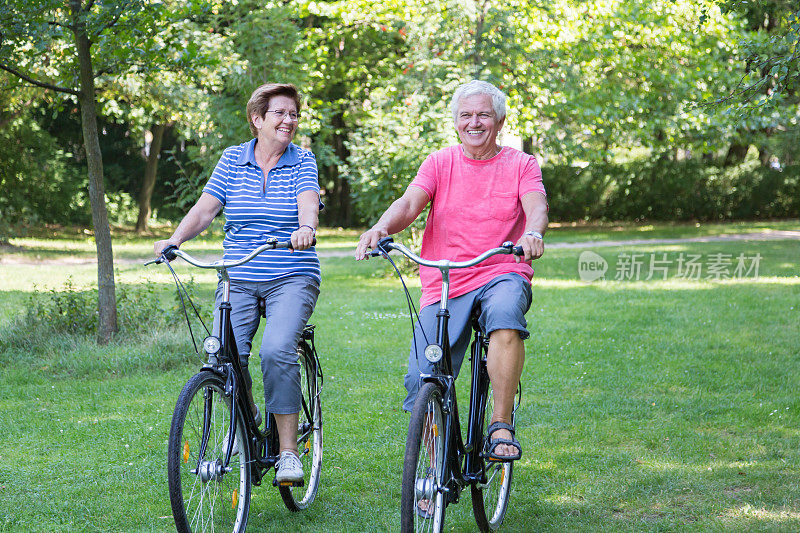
x: 769, y: 50
x: 587, y: 81
x: 38, y: 184
x: 385, y: 153
x: 664, y: 189
x: 71, y: 311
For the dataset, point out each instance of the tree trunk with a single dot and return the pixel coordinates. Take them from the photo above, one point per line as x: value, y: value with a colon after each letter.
x: 150, y: 173
x: 107, y: 300
x: 342, y: 186
x: 764, y: 155
x: 527, y: 145
x: 736, y: 154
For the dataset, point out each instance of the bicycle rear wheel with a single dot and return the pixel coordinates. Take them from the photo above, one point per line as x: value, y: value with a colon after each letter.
x: 422, y: 503
x: 205, y: 495
x: 490, y: 496
x: 309, y: 435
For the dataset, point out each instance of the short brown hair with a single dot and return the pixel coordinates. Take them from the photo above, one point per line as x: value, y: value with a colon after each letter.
x: 259, y: 100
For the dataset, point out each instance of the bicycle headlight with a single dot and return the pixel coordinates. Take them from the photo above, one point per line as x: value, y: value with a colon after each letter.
x: 433, y: 353
x: 211, y: 345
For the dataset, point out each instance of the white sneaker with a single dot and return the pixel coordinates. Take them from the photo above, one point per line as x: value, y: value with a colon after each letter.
x: 289, y: 468
x: 235, y: 450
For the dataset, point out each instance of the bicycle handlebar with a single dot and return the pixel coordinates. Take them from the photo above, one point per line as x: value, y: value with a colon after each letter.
x: 387, y: 244
x: 171, y: 252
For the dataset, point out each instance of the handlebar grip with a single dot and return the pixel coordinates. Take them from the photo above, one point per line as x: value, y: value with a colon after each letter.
x: 517, y: 250
x: 289, y: 243
x: 380, y: 248
x: 169, y: 252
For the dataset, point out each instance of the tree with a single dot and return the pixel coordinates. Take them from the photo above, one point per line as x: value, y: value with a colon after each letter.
x: 351, y: 47
x: 176, y: 99
x: 770, y: 51
x: 68, y: 46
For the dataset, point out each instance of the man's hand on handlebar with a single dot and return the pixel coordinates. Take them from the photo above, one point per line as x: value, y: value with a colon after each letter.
x: 368, y: 241
x: 532, y: 246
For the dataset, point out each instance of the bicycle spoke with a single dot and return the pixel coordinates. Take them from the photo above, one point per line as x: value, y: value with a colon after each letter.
x: 206, y: 496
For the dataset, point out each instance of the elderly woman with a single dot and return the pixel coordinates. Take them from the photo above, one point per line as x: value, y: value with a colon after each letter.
x: 481, y: 195
x: 268, y: 188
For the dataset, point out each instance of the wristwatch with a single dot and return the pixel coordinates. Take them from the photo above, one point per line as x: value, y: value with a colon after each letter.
x: 534, y: 234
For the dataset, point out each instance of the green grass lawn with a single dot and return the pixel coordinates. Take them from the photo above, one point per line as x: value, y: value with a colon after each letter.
x: 648, y: 405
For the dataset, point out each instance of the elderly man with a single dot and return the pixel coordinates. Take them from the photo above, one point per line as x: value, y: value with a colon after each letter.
x: 481, y: 195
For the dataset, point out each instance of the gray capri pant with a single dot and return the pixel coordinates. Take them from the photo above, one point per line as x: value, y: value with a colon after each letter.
x: 290, y: 302
x: 503, y: 303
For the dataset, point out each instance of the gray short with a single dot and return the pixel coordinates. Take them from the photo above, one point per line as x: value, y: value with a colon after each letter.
x: 503, y: 303
x: 290, y: 302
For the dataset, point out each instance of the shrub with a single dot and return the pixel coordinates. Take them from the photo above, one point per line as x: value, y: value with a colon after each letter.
x: 73, y: 312
x: 664, y: 189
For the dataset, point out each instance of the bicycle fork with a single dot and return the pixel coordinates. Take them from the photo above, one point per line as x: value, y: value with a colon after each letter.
x: 215, y: 469
x: 473, y: 464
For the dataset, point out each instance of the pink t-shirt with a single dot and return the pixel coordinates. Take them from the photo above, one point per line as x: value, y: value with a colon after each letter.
x: 475, y: 206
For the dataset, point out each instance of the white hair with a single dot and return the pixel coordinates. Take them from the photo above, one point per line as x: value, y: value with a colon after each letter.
x: 480, y: 87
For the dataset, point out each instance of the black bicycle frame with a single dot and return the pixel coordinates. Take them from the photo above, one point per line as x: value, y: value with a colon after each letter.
x: 262, y: 444
x: 442, y: 376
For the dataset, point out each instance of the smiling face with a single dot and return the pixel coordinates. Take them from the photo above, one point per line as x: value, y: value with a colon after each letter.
x: 477, y: 125
x: 273, y: 127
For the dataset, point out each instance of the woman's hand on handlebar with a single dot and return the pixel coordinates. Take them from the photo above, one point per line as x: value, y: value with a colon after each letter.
x: 160, y: 246
x: 368, y: 241
x: 303, y: 238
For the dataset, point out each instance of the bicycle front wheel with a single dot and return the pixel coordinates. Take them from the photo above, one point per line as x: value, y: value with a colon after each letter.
x: 309, y: 436
x: 422, y: 501
x: 205, y: 494
x: 490, y: 495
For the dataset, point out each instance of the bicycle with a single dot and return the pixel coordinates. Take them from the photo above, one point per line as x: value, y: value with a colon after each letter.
x: 210, y: 476
x: 438, y: 463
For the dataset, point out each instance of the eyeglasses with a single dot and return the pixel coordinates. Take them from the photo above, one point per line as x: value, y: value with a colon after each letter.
x: 282, y: 114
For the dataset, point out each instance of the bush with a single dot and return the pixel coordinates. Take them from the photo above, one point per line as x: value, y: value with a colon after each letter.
x: 663, y: 189
x: 69, y: 311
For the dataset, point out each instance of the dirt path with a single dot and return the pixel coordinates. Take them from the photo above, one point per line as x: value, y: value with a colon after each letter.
x: 775, y: 235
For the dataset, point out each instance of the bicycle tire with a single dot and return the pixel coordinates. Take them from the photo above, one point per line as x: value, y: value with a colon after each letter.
x: 423, y: 465
x: 309, y: 436
x: 492, y: 494
x: 204, y: 497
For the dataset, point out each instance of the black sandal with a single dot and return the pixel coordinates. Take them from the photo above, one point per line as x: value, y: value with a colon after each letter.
x: 491, y: 444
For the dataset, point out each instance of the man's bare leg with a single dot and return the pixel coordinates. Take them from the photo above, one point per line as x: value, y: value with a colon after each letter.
x: 504, y: 362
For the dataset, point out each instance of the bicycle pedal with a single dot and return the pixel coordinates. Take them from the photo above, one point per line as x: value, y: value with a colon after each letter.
x: 276, y: 483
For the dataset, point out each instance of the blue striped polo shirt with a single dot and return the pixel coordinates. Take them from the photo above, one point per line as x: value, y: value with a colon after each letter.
x: 255, y: 213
